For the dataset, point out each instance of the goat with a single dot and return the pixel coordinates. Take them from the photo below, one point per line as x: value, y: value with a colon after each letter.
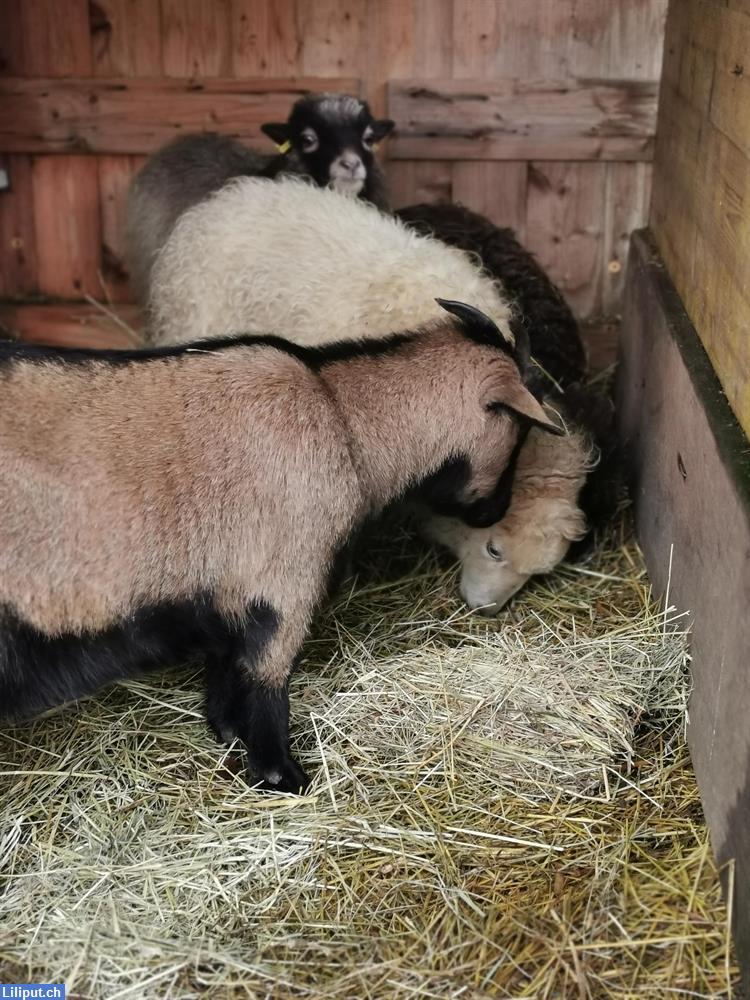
x: 563, y: 490
x: 328, y: 138
x: 306, y: 263
x: 206, y: 520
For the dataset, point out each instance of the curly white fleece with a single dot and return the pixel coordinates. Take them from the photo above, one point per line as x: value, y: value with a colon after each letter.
x: 308, y: 264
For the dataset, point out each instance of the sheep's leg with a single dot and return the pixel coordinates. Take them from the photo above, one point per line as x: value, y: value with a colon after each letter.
x: 247, y: 696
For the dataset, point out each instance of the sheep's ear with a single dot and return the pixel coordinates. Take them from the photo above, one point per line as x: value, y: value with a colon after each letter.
x: 478, y: 326
x: 381, y: 128
x: 519, y: 401
x: 277, y: 132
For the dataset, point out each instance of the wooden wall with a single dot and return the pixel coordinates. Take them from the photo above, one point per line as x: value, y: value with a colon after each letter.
x: 539, y: 113
x: 701, y: 206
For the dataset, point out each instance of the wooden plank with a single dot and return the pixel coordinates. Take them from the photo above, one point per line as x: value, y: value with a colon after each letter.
x: 621, y: 39
x: 18, y: 274
x: 67, y: 225
x: 137, y: 116
x: 390, y: 49
x: 413, y: 181
x: 564, y: 223
x: 196, y: 37
x: 72, y: 325
x: 265, y: 38
x: 691, y: 484
x: 125, y: 38
x: 432, y: 56
x: 730, y: 98
x: 51, y: 41
x: 627, y: 192
x: 701, y: 202
x: 11, y: 38
x: 115, y: 176
x: 496, y: 190
x: 513, y: 119
x: 479, y: 42
x: 332, y: 37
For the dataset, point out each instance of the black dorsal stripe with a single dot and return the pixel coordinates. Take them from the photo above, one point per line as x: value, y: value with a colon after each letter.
x: 314, y: 357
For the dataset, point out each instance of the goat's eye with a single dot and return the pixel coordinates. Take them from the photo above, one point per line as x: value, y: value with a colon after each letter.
x: 368, y: 137
x: 494, y: 552
x: 309, y: 141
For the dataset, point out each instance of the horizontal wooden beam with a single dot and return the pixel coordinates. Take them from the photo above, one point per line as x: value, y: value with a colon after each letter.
x: 124, y: 115
x: 72, y: 325
x: 511, y: 119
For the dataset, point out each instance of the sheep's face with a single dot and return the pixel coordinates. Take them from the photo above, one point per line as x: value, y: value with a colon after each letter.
x: 497, y: 561
x: 332, y: 136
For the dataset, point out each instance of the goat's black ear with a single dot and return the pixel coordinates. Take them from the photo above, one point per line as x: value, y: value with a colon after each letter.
x: 277, y: 132
x: 478, y: 326
x: 522, y: 345
x: 381, y: 128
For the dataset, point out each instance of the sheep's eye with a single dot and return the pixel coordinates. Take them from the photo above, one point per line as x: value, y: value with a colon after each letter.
x: 368, y: 138
x: 493, y: 552
x: 309, y: 141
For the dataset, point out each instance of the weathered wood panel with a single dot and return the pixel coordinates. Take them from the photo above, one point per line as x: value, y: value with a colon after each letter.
x: 414, y: 181
x: 690, y: 472
x: 19, y: 271
x: 513, y: 119
x: 50, y: 40
x: 701, y: 202
x: 627, y: 193
x: 67, y: 225
x: 196, y: 37
x: 115, y: 176
x: 730, y: 98
x: 137, y: 116
x: 125, y: 38
x: 497, y: 190
x: 265, y: 38
x: 564, y: 227
x: 72, y: 325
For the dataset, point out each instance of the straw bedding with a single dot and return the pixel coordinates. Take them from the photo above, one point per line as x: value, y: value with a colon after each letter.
x: 500, y: 808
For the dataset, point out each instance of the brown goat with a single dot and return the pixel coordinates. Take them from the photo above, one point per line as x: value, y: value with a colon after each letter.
x: 207, y: 519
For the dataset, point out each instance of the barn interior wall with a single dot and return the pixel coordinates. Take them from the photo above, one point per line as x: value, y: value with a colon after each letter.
x: 701, y: 207
x: 61, y: 222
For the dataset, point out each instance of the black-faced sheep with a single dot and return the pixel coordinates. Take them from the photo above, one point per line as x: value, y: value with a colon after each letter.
x: 206, y: 519
x: 328, y: 138
x: 308, y: 264
x: 562, y: 490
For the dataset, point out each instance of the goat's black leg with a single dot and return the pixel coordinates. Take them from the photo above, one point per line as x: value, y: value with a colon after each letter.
x: 247, y: 697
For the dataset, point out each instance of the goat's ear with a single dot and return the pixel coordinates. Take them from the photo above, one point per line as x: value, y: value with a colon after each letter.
x: 477, y: 326
x: 519, y: 401
x: 381, y: 128
x: 277, y: 132
x: 522, y: 346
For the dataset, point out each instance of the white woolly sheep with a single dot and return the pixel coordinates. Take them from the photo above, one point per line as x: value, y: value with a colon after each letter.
x: 328, y: 138
x: 309, y: 265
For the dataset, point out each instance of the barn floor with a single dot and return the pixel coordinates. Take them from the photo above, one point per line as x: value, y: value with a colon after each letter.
x: 500, y: 808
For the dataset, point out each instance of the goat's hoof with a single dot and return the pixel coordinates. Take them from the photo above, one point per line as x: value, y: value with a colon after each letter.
x: 288, y: 776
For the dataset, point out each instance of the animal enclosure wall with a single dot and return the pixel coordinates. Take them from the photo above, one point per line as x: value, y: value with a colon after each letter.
x: 685, y: 400
x: 538, y: 113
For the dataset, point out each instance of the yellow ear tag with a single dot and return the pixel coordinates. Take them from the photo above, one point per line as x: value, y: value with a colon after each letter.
x: 284, y: 147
